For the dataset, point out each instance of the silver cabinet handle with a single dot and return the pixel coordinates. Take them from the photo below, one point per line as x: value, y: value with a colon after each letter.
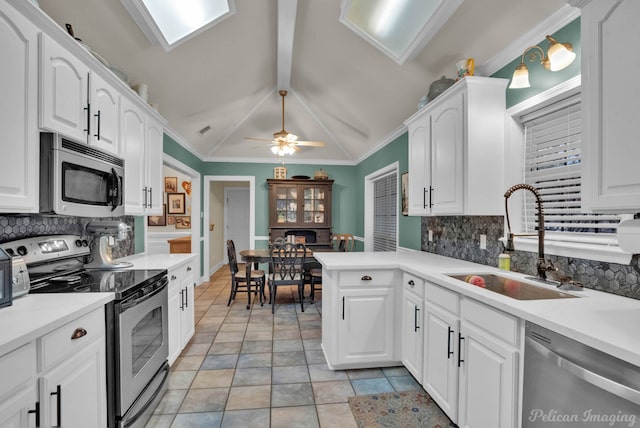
x: 587, y: 375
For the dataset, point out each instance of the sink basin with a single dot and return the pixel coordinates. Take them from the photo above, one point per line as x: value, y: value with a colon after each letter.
x: 514, y: 288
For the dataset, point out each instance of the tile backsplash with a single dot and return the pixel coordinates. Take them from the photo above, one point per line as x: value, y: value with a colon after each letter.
x: 459, y: 237
x: 21, y: 226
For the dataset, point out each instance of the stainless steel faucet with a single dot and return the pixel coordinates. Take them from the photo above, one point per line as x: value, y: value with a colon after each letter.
x: 543, y: 266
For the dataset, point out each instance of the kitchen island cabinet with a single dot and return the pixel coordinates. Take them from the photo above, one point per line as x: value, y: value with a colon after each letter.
x: 412, y: 333
x: 610, y: 181
x: 456, y: 150
x: 360, y: 309
x: 19, y: 105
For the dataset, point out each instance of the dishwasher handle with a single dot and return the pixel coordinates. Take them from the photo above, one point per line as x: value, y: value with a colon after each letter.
x: 587, y: 375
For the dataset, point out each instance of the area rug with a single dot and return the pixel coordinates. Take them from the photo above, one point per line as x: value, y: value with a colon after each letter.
x: 397, y: 409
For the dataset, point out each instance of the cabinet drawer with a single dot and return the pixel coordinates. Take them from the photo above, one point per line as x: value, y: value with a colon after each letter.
x: 17, y: 368
x: 442, y: 297
x: 493, y: 321
x: 413, y: 283
x: 371, y: 277
x: 59, y: 344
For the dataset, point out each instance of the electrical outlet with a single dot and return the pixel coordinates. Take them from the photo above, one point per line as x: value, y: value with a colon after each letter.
x: 483, y: 242
x: 430, y: 235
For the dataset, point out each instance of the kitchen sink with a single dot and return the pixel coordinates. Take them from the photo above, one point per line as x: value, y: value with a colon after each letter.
x: 512, y: 287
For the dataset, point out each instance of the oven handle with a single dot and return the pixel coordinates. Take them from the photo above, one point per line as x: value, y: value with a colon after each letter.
x: 132, y: 301
x: 144, y: 408
x: 580, y: 372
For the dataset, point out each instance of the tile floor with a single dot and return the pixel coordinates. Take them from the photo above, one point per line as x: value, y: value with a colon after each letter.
x: 249, y: 368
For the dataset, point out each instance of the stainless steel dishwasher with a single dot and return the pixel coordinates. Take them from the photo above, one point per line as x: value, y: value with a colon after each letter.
x: 568, y: 384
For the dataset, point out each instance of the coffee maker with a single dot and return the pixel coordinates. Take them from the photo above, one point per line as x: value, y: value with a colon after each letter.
x: 105, y: 233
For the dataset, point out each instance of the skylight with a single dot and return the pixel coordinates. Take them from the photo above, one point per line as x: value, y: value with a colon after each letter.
x: 171, y: 22
x: 399, y: 28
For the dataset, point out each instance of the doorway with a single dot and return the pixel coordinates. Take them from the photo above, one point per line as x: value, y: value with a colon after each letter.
x: 217, y: 217
x: 236, y: 217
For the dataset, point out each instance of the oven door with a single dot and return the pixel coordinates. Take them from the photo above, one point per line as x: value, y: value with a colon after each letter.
x: 143, y: 342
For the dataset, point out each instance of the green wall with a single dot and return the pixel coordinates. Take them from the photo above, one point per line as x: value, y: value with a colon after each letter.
x: 398, y: 150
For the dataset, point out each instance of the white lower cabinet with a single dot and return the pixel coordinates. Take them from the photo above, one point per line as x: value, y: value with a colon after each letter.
x: 59, y: 379
x: 412, y: 324
x: 471, y: 360
x: 181, y: 308
x: 358, y: 324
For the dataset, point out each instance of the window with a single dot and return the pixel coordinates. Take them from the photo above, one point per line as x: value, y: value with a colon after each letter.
x: 553, y: 165
x: 381, y: 209
x: 385, y: 191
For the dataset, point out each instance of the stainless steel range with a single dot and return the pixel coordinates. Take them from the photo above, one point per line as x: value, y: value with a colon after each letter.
x: 136, y: 321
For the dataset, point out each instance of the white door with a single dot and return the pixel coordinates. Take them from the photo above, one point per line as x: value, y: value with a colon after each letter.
x: 236, y: 218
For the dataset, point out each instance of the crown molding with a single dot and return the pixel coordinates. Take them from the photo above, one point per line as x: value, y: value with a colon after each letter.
x: 181, y: 141
x: 390, y: 137
x: 278, y: 161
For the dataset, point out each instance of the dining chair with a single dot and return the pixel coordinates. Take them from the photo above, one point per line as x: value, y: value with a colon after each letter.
x: 286, y: 268
x: 239, y: 282
x: 344, y: 242
x: 313, y: 277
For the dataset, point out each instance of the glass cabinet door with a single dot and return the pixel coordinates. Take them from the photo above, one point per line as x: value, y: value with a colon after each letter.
x: 314, y: 205
x: 286, y: 205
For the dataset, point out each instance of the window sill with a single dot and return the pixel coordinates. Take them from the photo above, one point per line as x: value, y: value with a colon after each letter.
x: 602, y: 252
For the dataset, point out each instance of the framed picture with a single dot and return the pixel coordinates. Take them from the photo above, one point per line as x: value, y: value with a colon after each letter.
x: 171, y: 184
x: 158, y: 220
x: 405, y: 193
x: 171, y: 220
x: 183, y: 222
x: 175, y: 203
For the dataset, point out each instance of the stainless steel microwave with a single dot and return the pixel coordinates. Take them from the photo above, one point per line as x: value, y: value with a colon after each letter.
x: 79, y: 180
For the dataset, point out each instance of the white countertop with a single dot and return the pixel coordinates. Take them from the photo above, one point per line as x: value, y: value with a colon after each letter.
x: 602, y: 320
x: 34, y: 315
x: 157, y: 261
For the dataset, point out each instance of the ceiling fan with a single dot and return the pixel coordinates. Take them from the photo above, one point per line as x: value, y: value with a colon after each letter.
x: 285, y: 143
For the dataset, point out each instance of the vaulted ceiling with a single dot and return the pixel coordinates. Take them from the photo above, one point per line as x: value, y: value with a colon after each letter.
x: 342, y: 90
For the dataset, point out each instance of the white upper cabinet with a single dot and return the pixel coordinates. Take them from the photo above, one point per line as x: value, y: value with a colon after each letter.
x: 611, y: 177
x: 105, y: 104
x: 64, y: 91
x: 142, y: 151
x: 456, y: 146
x: 19, y: 119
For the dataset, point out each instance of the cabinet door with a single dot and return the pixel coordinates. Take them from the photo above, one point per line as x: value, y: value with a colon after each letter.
x: 611, y: 180
x: 154, y: 181
x: 314, y: 211
x: 488, y: 381
x: 105, y: 102
x: 187, y: 327
x: 365, y: 333
x: 19, y: 410
x: 419, y: 167
x: 19, y: 105
x: 174, y: 317
x: 133, y: 133
x: 447, y: 174
x: 412, y: 333
x: 77, y: 389
x: 64, y: 91
x: 285, y: 203
x: 440, y: 373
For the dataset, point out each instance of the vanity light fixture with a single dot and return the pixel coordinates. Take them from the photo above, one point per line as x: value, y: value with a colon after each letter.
x: 559, y: 56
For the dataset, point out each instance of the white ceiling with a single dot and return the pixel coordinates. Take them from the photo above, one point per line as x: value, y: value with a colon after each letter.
x: 342, y: 90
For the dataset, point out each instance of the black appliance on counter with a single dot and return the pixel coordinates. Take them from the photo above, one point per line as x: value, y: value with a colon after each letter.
x: 136, y: 321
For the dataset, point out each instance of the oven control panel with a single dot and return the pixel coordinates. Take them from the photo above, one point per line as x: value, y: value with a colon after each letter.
x: 42, y: 248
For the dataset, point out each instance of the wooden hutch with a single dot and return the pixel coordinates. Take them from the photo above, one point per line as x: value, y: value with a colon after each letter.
x: 301, y: 207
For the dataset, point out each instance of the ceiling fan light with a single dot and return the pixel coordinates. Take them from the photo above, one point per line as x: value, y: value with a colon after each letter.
x: 275, y: 149
x: 289, y: 149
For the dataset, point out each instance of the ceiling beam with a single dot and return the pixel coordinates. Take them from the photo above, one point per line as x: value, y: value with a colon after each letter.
x: 287, y: 10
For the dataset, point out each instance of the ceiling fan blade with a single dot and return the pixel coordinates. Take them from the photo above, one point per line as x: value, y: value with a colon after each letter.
x: 259, y: 139
x: 310, y: 143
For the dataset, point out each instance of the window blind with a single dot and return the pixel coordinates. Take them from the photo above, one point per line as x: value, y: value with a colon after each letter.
x: 385, y: 207
x: 553, y: 140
